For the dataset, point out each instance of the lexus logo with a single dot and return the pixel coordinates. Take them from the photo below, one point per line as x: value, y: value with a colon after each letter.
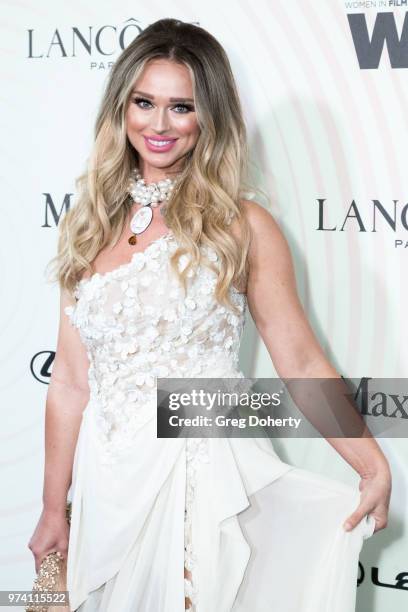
x: 361, y: 573
x: 40, y: 366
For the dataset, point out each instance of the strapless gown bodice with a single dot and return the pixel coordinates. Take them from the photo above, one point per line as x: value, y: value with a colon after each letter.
x: 138, y: 324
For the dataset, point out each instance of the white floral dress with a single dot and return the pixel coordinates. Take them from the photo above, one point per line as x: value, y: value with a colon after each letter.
x: 145, y: 508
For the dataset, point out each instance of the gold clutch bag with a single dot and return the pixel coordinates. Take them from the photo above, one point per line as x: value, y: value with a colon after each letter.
x: 51, y: 577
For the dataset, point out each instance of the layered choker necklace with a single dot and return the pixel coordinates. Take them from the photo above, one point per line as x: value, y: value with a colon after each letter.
x: 148, y: 197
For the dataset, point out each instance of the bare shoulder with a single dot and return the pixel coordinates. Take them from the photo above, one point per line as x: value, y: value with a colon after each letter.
x: 267, y: 236
x: 256, y: 215
x: 268, y: 252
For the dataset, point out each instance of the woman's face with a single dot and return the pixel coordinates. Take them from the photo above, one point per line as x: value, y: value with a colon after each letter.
x: 161, y: 121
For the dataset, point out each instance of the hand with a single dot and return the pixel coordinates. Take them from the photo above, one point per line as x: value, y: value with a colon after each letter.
x: 51, y: 534
x: 374, y: 500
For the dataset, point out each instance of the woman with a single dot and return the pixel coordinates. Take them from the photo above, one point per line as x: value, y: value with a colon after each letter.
x: 167, y: 524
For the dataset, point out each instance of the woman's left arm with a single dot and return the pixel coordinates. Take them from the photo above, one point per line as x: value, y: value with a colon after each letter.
x: 295, y: 352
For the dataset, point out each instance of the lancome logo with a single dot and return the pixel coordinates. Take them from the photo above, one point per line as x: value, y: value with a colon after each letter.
x: 97, y: 42
x: 384, y: 33
x: 372, y: 216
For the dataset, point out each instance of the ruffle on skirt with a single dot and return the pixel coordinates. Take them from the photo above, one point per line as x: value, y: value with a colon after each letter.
x: 266, y: 535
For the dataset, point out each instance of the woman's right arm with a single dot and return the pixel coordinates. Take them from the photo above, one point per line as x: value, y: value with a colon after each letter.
x: 67, y: 396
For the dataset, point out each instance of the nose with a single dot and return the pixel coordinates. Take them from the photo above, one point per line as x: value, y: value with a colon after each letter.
x: 160, y: 120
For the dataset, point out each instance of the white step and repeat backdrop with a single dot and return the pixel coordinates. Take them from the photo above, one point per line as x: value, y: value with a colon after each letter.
x: 324, y: 89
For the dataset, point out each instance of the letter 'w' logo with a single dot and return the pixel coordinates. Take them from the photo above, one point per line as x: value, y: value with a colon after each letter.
x: 369, y: 51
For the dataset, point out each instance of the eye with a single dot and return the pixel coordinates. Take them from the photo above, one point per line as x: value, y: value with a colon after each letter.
x: 139, y: 100
x: 187, y: 108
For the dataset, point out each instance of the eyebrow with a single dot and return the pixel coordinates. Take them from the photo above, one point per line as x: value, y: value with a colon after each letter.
x: 146, y: 95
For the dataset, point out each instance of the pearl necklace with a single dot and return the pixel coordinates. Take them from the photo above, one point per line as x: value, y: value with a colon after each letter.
x: 148, y: 196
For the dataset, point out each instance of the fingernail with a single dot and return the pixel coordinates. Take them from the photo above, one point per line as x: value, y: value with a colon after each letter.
x: 347, y: 526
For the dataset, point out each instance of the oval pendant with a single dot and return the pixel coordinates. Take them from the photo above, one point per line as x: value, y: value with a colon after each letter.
x: 141, y: 220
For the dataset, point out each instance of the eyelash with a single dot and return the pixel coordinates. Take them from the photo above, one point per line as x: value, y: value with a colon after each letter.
x: 186, y: 106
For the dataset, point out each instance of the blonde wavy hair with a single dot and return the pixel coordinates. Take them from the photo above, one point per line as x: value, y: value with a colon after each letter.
x: 212, y: 181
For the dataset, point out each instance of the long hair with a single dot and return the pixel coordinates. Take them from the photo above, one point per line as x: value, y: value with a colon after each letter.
x: 209, y: 187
